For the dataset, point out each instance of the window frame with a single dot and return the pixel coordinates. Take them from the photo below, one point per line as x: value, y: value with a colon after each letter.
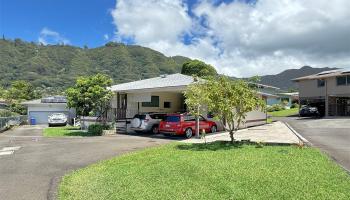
x: 153, y: 104
x: 345, y: 83
x: 321, y: 83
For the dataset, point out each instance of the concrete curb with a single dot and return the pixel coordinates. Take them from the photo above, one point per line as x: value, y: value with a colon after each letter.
x: 305, y: 141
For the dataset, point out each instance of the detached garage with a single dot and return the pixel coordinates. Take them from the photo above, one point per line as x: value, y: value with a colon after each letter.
x: 41, y: 109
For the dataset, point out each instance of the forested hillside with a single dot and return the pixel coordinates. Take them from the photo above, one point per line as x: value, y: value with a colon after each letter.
x: 55, y: 67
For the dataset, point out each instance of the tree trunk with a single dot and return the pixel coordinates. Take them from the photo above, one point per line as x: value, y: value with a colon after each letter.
x: 197, y: 123
x: 231, y: 136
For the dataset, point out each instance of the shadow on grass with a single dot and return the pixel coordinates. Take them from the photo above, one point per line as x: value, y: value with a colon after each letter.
x: 80, y: 133
x: 225, y: 145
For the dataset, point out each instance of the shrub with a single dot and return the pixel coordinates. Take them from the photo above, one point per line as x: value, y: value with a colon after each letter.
x: 6, y: 113
x: 294, y: 105
x: 275, y: 107
x: 96, y: 129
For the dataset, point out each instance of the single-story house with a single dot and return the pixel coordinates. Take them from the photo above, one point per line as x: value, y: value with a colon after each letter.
x: 287, y: 98
x: 329, y: 91
x: 162, y: 94
x: 41, y: 109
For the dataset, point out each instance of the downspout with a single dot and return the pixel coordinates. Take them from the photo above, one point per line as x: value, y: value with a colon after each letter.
x: 326, y: 100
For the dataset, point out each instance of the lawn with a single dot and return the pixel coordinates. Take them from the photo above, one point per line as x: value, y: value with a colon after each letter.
x: 284, y: 113
x: 212, y: 171
x: 64, y: 131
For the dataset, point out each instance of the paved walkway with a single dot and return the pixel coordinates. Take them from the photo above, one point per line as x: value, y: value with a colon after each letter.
x: 31, y: 165
x: 276, y: 132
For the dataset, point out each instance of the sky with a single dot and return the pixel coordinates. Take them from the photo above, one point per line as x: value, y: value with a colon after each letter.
x: 238, y: 37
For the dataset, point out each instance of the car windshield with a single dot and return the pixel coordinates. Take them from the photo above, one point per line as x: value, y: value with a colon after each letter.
x: 58, y: 115
x: 172, y: 118
x: 140, y: 116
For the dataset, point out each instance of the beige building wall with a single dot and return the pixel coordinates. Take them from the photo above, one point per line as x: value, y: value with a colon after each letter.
x: 175, y: 99
x: 334, y: 89
x: 309, y: 88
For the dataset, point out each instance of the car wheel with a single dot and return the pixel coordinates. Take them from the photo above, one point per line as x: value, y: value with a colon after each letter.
x: 213, y: 129
x: 188, y: 133
x: 155, y: 129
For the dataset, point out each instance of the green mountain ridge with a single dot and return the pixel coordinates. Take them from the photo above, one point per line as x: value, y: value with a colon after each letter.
x: 53, y: 68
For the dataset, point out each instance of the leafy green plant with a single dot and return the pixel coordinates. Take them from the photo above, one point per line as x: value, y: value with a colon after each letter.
x: 275, y: 107
x: 229, y: 100
x: 95, y: 129
x: 294, y: 105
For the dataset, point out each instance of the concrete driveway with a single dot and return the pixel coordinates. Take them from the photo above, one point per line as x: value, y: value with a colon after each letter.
x: 31, y: 165
x: 330, y: 135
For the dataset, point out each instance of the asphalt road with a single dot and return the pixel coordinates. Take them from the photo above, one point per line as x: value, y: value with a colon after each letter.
x: 330, y: 135
x: 33, y: 165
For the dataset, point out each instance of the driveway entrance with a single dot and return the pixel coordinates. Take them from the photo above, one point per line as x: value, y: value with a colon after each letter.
x: 34, y: 164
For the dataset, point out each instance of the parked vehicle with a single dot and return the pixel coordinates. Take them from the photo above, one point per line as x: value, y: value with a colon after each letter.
x: 184, y: 124
x: 147, y: 122
x: 308, y: 111
x: 57, y: 119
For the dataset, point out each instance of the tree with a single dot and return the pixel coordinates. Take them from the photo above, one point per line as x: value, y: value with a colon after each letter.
x: 90, y: 94
x: 196, y: 99
x: 21, y: 90
x: 229, y: 100
x: 18, y: 92
x: 198, y: 68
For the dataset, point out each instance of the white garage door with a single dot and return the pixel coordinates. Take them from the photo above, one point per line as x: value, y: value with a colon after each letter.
x: 41, y: 117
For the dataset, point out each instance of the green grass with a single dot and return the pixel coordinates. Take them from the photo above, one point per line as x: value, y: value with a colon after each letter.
x: 284, y: 113
x: 212, y: 171
x: 65, y: 131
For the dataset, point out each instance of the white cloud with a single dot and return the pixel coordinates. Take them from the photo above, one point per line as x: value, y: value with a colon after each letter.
x: 240, y: 39
x: 48, y: 36
x: 106, y: 36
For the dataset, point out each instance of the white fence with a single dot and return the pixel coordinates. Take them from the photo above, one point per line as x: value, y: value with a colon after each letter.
x: 5, y: 122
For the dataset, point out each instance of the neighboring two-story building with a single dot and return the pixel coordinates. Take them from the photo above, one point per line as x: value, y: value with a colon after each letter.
x: 329, y: 91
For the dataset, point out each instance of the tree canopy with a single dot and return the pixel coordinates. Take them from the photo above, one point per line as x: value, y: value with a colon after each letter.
x: 18, y: 92
x: 198, y: 68
x: 90, y: 94
x: 229, y: 100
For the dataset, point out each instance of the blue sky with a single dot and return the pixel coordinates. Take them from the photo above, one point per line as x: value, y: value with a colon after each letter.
x: 238, y: 37
x: 82, y: 22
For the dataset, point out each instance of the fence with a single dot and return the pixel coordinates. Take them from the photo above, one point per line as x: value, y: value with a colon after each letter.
x: 6, y: 122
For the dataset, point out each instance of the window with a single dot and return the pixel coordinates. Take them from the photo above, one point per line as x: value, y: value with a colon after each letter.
x: 172, y: 118
x: 341, y: 80
x: 189, y: 118
x: 157, y: 116
x: 154, y: 102
x: 320, y: 83
x: 202, y: 118
x: 167, y: 104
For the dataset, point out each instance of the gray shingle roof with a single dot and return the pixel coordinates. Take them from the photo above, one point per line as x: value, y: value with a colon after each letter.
x: 173, y: 80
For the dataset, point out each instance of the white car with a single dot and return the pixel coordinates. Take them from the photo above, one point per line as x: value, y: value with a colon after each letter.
x: 147, y: 122
x: 57, y: 119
